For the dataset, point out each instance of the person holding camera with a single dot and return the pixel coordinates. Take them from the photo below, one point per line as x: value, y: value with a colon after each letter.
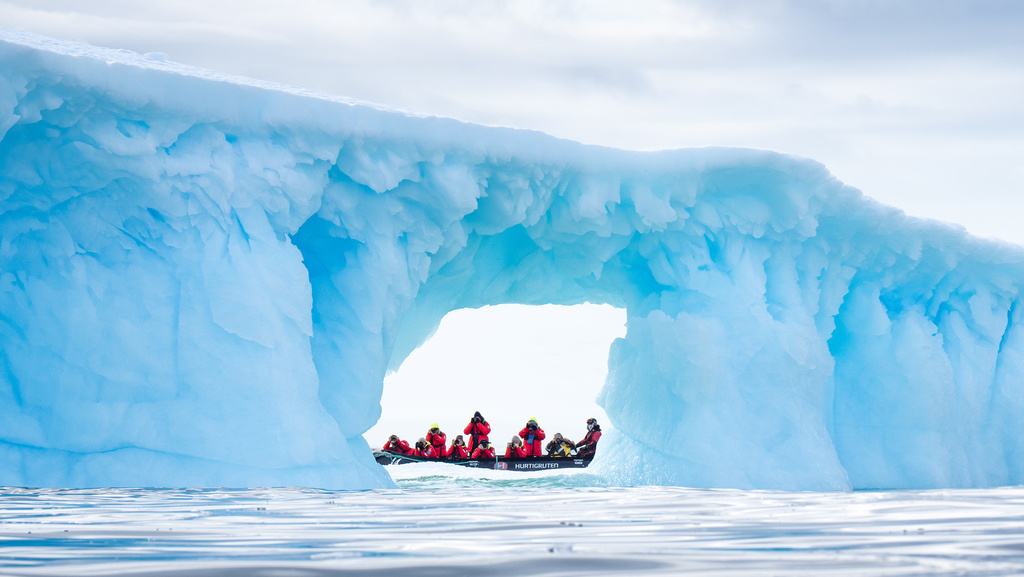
x: 458, y: 449
x: 477, y: 429
x: 560, y: 446
x: 425, y: 449
x: 484, y: 451
x: 532, y: 436
x: 437, y: 439
x: 515, y: 448
x: 396, y: 445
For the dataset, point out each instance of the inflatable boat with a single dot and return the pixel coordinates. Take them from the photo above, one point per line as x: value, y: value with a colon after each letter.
x: 496, y: 463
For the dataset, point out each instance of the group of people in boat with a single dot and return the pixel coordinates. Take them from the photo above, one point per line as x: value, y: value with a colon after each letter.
x: 528, y: 443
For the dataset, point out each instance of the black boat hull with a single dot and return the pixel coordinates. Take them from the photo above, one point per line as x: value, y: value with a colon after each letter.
x: 497, y: 463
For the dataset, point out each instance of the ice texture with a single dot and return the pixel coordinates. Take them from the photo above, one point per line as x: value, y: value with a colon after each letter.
x: 203, y: 280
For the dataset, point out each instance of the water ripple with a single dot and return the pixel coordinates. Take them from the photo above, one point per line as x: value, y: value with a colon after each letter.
x: 503, y: 526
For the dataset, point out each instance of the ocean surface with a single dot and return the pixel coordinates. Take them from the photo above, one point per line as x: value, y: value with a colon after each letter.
x: 445, y: 520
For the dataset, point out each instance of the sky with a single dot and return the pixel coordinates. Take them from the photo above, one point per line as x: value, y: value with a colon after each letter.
x: 510, y: 362
x: 918, y: 103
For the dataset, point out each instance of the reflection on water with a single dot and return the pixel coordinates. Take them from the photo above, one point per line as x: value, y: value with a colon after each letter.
x: 456, y: 522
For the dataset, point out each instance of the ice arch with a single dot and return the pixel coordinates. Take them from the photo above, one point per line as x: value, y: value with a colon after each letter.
x: 203, y: 280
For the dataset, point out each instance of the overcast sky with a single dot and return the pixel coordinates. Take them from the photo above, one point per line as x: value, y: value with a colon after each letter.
x: 511, y: 363
x: 919, y: 103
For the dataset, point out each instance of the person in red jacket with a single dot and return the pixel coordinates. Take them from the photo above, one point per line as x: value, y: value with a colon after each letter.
x: 396, y: 445
x: 515, y: 448
x: 458, y: 449
x: 588, y: 446
x: 532, y: 436
x: 437, y: 439
x: 425, y: 449
x: 484, y: 451
x: 477, y: 429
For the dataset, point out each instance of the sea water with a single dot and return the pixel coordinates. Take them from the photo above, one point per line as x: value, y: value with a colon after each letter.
x: 444, y: 520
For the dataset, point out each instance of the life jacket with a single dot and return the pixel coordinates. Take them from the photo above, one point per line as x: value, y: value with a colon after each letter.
x: 531, y: 441
x: 560, y: 448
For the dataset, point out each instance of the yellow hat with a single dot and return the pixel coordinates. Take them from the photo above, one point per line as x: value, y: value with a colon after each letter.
x: 434, y: 426
x: 532, y: 419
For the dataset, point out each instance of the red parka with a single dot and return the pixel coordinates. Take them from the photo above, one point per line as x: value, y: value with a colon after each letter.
x: 481, y: 453
x: 457, y: 452
x: 588, y: 446
x: 477, y: 432
x: 438, y: 441
x: 429, y: 452
x: 400, y: 447
x: 532, y: 441
x: 515, y: 451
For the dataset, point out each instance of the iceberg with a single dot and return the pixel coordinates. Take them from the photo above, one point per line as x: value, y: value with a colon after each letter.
x: 204, y: 280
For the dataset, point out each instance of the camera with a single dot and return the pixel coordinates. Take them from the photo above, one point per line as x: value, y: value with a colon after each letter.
x: 532, y: 427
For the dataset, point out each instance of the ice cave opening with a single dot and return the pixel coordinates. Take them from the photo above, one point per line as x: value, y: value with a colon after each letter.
x: 510, y: 362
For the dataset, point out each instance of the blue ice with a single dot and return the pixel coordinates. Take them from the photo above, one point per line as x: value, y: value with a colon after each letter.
x: 203, y: 280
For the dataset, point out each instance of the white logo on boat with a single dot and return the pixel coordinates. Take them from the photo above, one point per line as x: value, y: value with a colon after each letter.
x: 535, y: 465
x: 501, y: 466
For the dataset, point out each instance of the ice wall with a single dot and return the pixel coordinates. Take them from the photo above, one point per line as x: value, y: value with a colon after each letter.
x: 203, y: 280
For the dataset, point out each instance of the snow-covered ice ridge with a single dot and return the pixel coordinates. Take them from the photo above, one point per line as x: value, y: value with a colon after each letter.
x: 203, y: 280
